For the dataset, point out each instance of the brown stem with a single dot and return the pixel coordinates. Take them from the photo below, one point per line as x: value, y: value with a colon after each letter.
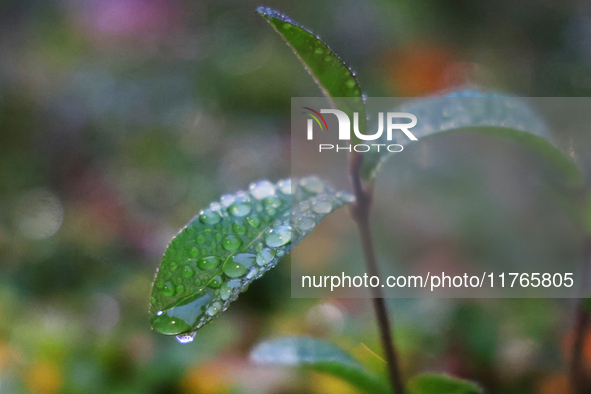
x: 578, y: 375
x: 360, y: 213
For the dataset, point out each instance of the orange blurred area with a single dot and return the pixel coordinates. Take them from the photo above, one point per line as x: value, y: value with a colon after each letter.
x: 421, y: 69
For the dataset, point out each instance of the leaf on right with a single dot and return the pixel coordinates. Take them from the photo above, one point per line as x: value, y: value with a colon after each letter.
x: 429, y: 383
x: 508, y: 118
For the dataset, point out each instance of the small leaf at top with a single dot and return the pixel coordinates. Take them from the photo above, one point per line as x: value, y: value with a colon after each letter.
x: 331, y: 74
x: 319, y: 356
x: 230, y: 244
x: 503, y: 117
x: 440, y: 384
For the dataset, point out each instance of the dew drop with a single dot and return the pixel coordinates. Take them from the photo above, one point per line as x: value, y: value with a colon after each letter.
x: 186, y: 338
x: 228, y: 288
x: 253, y: 220
x: 214, y: 308
x: 252, y: 273
x: 227, y: 200
x: 210, y: 217
x: 285, y: 186
x: 239, y: 228
x: 231, y: 242
x: 188, y: 271
x: 279, y: 236
x: 234, y: 270
x: 312, y: 184
x: 318, y: 51
x: 246, y: 259
x: 261, y: 189
x: 265, y: 256
x: 180, y: 289
x: 209, y: 263
x: 239, y: 209
x: 272, y: 202
x: 322, y: 206
x: 305, y: 224
x: 287, y: 26
x: 346, y: 197
x: 215, y: 282
x: 350, y: 83
x: 194, y: 252
x: 168, y: 290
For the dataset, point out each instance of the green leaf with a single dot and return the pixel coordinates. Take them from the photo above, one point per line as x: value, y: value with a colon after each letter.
x: 230, y: 244
x: 331, y: 74
x: 440, y: 384
x: 319, y: 356
x: 507, y: 118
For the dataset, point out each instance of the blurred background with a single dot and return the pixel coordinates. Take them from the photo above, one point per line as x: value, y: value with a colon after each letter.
x: 120, y: 119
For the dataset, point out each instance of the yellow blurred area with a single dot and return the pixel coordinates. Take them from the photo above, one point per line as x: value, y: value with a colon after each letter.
x: 213, y: 378
x: 44, y: 377
x: 323, y: 384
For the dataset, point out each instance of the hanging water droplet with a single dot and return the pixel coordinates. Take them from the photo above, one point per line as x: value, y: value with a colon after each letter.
x: 186, y: 338
x: 322, y: 206
x: 261, y: 189
x: 239, y: 209
x: 265, y: 256
x: 188, y: 271
x: 210, y: 217
x: 231, y: 242
x: 312, y: 184
x: 278, y: 236
x: 285, y: 186
x: 209, y: 263
x: 214, y: 308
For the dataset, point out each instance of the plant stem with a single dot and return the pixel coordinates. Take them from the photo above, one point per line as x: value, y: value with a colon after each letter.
x: 578, y: 375
x: 360, y: 213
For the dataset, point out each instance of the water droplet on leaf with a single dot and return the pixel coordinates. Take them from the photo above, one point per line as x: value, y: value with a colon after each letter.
x: 231, y: 242
x: 279, y: 236
x: 209, y: 263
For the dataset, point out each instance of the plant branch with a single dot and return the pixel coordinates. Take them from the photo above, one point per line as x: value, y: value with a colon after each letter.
x: 360, y: 212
